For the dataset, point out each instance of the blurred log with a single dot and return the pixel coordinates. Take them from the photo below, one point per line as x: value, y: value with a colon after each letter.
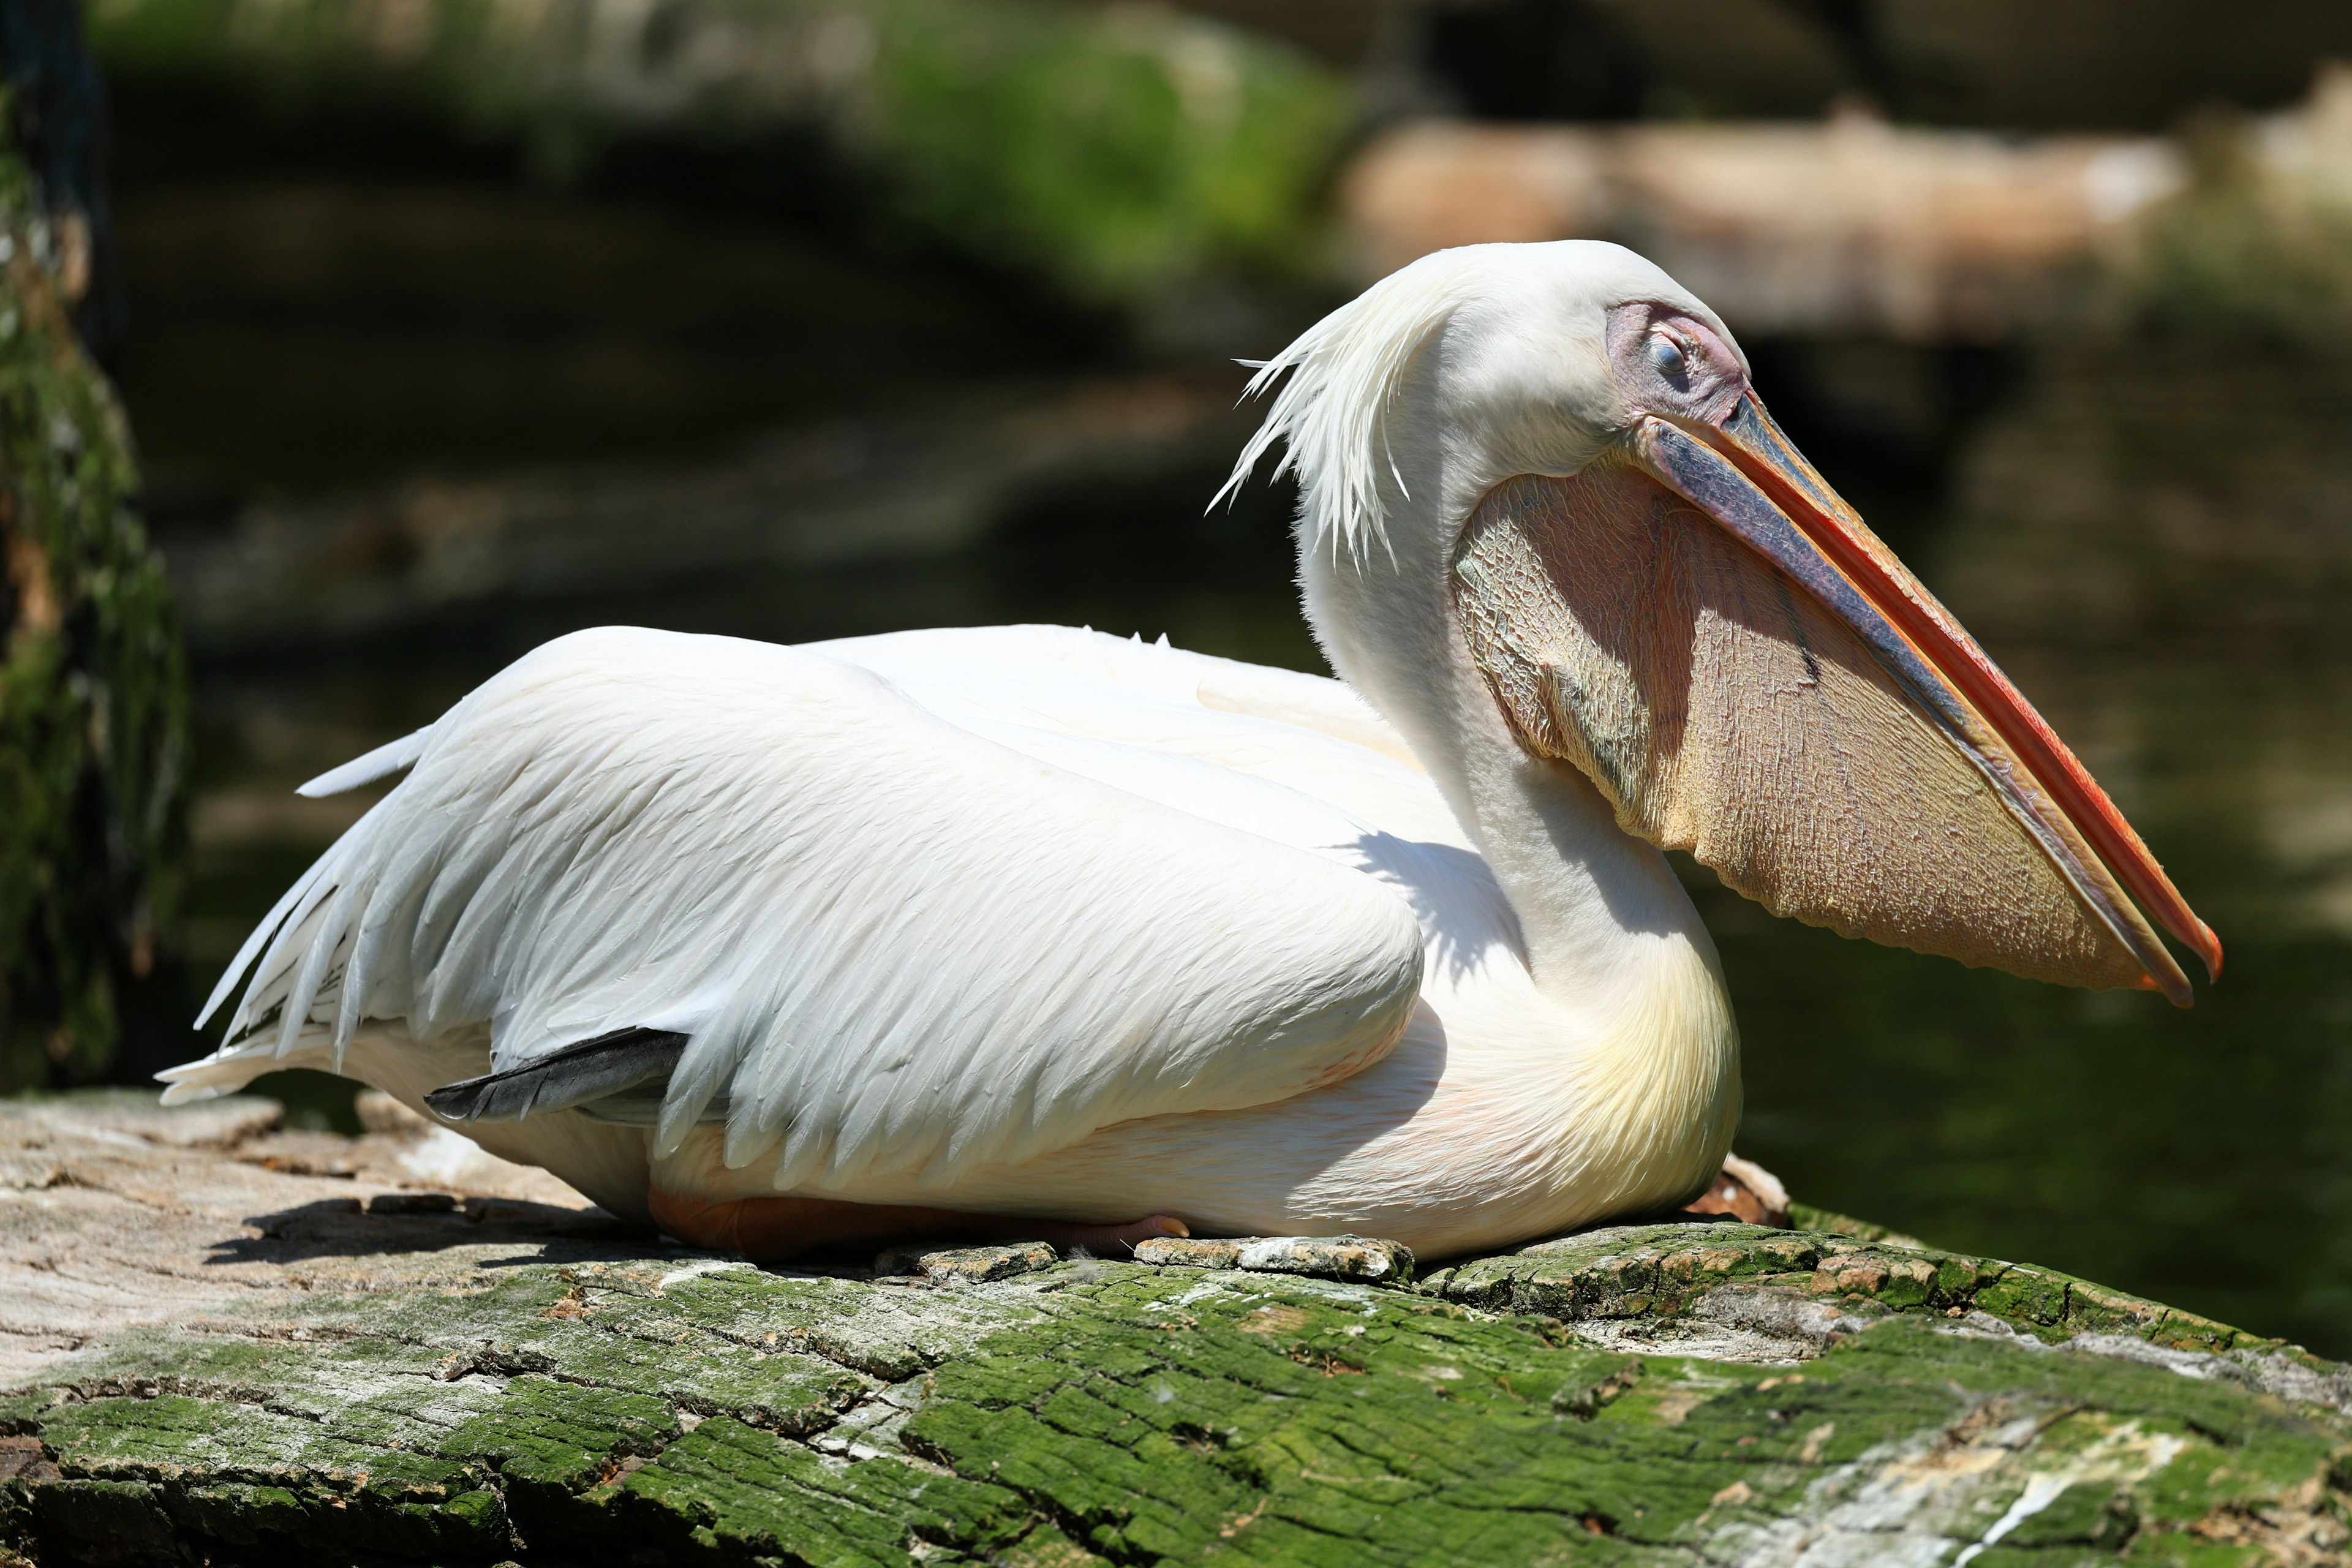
x: 94, y: 692
x: 1857, y: 227
x: 216, y: 1347
x: 910, y: 486
x: 1850, y: 227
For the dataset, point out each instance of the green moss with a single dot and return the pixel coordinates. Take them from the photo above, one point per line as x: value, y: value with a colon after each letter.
x: 1665, y: 1271
x: 1118, y: 155
x: 1805, y: 1217
x: 733, y: 1486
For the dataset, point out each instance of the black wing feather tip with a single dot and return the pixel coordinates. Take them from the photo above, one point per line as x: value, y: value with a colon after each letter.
x: 577, y: 1075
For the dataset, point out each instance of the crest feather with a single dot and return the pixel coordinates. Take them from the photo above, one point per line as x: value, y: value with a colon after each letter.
x: 1332, y: 412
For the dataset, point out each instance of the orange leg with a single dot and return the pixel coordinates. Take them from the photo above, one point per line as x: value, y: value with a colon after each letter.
x: 769, y: 1230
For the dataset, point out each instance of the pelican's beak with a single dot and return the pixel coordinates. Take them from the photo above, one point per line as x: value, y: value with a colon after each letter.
x: 1742, y: 472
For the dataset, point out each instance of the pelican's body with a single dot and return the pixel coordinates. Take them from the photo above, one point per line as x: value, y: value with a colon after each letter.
x: 1038, y: 923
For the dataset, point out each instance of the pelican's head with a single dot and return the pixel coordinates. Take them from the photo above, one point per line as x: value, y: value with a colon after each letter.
x: 1558, y: 446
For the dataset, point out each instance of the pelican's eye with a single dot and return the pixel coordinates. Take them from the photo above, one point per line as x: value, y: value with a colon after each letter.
x: 1668, y: 356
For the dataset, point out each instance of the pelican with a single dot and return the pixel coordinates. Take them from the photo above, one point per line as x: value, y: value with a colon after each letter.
x: 1027, y: 930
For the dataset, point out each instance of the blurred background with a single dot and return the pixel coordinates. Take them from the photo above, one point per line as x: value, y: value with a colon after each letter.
x: 447, y: 326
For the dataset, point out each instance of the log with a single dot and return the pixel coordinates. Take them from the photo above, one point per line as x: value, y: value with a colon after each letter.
x: 1853, y: 226
x: 225, y: 1343
x: 1856, y: 227
x: 901, y: 488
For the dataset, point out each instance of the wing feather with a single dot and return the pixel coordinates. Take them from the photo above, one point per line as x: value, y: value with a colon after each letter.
x: 972, y: 662
x: 896, y: 945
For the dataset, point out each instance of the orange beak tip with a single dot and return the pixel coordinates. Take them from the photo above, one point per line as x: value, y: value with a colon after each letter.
x: 2181, y: 997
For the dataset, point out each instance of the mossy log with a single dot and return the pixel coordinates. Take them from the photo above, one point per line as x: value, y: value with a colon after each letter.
x: 93, y: 689
x: 1116, y: 153
x: 217, y: 1353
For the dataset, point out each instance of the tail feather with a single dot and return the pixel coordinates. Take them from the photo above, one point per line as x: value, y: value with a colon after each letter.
x: 259, y: 937
x: 231, y: 1068
x: 317, y: 955
x: 607, y: 1067
x: 271, y: 934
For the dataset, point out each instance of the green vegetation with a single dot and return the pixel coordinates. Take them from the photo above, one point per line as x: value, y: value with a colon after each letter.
x: 1117, y: 152
x: 93, y: 690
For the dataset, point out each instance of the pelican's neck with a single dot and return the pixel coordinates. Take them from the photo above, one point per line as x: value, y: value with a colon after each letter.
x: 1635, y: 1058
x: 1638, y: 1064
x: 1599, y: 909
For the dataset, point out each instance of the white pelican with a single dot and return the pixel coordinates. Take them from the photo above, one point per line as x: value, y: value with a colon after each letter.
x: 1032, y: 931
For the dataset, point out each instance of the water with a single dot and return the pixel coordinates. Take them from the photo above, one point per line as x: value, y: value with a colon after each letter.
x: 2154, y: 539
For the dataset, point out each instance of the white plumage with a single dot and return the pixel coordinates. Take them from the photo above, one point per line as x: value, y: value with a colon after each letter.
x: 920, y: 928
x: 1034, y: 921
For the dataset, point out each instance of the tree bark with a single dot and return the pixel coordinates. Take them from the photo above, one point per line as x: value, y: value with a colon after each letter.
x: 93, y: 690
x: 221, y: 1350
